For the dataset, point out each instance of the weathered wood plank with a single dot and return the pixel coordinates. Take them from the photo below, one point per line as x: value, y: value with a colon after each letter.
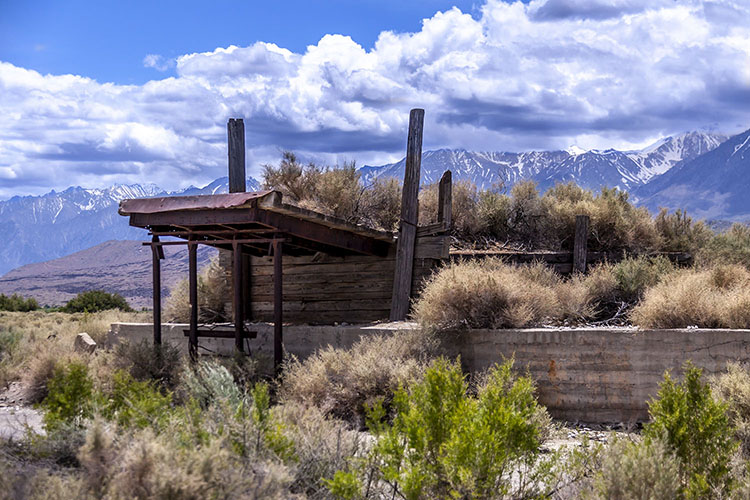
x: 445, y: 199
x: 236, y: 153
x: 580, y: 243
x: 409, y: 216
x: 193, y: 287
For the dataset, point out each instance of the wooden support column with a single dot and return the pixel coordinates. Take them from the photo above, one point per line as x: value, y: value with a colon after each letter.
x: 193, y: 285
x: 278, y: 305
x: 580, y: 243
x: 236, y: 142
x: 237, y: 306
x: 157, y: 253
x: 445, y: 199
x: 409, y: 217
x: 247, y: 292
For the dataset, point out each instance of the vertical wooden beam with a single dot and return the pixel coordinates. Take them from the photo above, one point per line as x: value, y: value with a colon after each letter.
x: 278, y: 305
x: 409, y: 217
x: 445, y: 199
x: 236, y: 142
x: 237, y: 306
x: 157, y: 253
x: 193, y: 286
x: 580, y: 243
x: 247, y: 291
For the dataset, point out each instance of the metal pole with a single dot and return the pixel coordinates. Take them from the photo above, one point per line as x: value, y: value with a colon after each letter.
x: 193, y: 284
x: 156, y: 264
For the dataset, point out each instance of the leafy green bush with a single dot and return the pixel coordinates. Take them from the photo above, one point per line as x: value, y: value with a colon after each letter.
x: 443, y: 443
x: 133, y: 403
x: 95, y: 301
x: 697, y: 430
x: 635, y: 274
x: 70, y: 396
x: 17, y: 303
x: 733, y: 387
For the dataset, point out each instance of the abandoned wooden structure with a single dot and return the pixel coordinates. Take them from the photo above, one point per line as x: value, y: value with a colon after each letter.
x: 290, y: 264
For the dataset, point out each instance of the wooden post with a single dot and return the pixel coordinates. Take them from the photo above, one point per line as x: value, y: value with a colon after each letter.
x: 193, y: 285
x: 445, y: 199
x: 580, y: 243
x: 157, y: 253
x: 409, y: 217
x: 247, y: 290
x: 236, y: 139
x: 278, y: 305
x: 237, y: 306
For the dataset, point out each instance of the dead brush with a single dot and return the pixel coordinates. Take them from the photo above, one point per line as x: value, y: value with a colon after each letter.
x: 341, y: 381
x: 713, y: 298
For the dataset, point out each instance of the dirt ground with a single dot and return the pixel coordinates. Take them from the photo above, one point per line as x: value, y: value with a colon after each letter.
x: 15, y: 418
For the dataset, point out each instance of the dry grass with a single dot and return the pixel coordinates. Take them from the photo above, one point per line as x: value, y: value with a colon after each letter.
x: 734, y: 388
x: 492, y: 294
x: 713, y: 298
x: 341, y: 381
x: 46, y: 338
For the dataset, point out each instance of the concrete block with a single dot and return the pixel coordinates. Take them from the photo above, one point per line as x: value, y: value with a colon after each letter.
x: 84, y: 343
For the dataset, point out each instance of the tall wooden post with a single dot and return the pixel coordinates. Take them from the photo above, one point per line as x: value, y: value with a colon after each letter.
x: 278, y: 306
x: 237, y: 306
x: 580, y: 243
x: 445, y: 199
x: 193, y: 285
x: 157, y: 253
x: 246, y: 287
x: 236, y: 140
x: 409, y: 217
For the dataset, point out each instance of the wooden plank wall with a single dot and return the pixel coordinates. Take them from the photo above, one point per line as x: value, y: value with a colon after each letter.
x: 324, y: 289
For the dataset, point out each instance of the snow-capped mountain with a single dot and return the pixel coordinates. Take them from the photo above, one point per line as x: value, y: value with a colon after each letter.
x: 40, y: 228
x: 712, y: 186
x: 591, y: 169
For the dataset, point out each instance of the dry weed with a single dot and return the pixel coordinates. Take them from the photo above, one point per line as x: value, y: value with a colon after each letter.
x: 341, y: 381
x: 714, y: 298
x: 213, y: 290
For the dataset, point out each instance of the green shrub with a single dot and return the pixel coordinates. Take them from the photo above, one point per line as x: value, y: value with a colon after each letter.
x: 638, y: 471
x: 443, y: 443
x: 133, y: 403
x: 209, y: 383
x: 696, y: 428
x: 636, y: 274
x: 730, y: 247
x: 69, y: 397
x: 679, y: 233
x: 95, y: 301
x: 17, y: 303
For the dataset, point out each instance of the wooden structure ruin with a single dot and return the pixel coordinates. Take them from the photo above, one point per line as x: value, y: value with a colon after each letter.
x: 290, y: 264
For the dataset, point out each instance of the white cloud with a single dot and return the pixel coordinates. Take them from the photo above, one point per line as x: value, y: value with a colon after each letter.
x: 543, y: 75
x: 158, y: 62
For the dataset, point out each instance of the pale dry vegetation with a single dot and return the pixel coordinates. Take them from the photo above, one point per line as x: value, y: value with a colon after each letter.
x: 213, y: 290
x: 342, y: 381
x: 708, y: 298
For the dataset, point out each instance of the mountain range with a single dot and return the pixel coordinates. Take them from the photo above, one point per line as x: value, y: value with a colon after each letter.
x: 705, y: 173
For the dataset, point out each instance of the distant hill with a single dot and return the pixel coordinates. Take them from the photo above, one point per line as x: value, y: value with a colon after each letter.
x: 122, y: 267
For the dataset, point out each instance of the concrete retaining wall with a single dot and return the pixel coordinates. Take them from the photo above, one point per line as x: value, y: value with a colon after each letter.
x: 585, y: 375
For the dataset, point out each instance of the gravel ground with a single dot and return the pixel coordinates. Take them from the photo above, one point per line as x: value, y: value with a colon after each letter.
x: 16, y: 418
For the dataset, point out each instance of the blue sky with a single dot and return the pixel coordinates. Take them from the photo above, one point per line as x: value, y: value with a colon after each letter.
x: 96, y: 93
x: 108, y: 40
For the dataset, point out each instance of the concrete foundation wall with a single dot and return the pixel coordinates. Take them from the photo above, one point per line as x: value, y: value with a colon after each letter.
x: 585, y: 375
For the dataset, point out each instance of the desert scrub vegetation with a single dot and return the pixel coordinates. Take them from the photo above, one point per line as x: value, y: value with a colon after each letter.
x: 445, y: 442
x: 718, y: 297
x: 342, y: 382
x: 16, y: 303
x: 490, y: 293
x: 93, y: 301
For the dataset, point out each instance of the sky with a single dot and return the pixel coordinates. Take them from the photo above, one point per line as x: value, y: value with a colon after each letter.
x: 94, y: 93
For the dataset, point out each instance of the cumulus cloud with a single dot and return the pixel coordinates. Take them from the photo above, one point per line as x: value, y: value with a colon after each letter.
x: 158, y: 62
x: 515, y: 76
